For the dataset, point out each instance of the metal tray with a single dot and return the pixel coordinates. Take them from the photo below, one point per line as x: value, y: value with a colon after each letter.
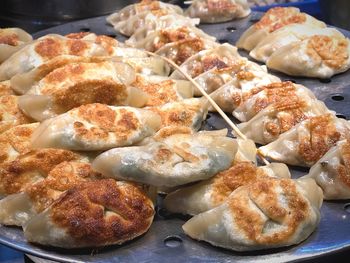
x: 165, y: 241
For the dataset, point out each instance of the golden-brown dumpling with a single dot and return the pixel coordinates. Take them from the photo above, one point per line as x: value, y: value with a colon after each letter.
x: 269, y: 213
x: 211, y: 193
x: 272, y: 20
x: 118, y: 212
x: 216, y: 11
x: 6, y: 88
x: 12, y: 40
x: 307, y: 142
x: 94, y: 127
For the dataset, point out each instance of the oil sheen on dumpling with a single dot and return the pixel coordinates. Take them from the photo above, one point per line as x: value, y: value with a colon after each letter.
x: 118, y: 211
x: 170, y: 160
x: 317, y: 56
x: 96, y: 127
x: 272, y: 20
x: 78, y: 84
x: 280, y: 117
x: 12, y: 40
x: 211, y: 193
x: 216, y: 11
x: 17, y: 209
x: 269, y: 213
x: 307, y: 142
x: 332, y: 172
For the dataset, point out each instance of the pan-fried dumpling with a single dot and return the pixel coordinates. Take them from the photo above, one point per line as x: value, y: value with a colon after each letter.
x: 144, y: 5
x: 12, y: 40
x: 307, y: 142
x: 17, y: 209
x: 10, y: 114
x: 318, y: 56
x: 161, y: 90
x: 218, y: 57
x: 280, y: 117
x: 188, y: 112
x: 30, y: 168
x: 154, y: 40
x: 104, y: 212
x: 216, y: 11
x: 148, y: 65
x: 16, y: 141
x: 332, y: 172
x: 243, y: 85
x: 211, y: 193
x: 78, y: 84
x: 181, y: 50
x: 272, y: 20
x: 95, y: 127
x: 286, y: 35
x: 269, y: 213
x: 170, y: 160
x: 271, y: 94
x: 6, y: 88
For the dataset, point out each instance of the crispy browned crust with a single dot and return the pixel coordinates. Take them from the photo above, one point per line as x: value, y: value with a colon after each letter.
x: 169, y: 36
x: 105, y: 121
x: 77, y: 35
x: 344, y: 168
x: 61, y: 178
x: 221, y: 7
x: 31, y: 167
x: 103, y: 212
x: 187, y: 48
x: 264, y: 194
x: 16, y: 138
x: 145, y: 5
x: 10, y: 114
x: 10, y: 39
x: 323, y: 135
x: 332, y: 51
x: 5, y: 88
x: 279, y: 17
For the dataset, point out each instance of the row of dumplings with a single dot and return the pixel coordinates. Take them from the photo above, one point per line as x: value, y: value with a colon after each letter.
x: 297, y: 44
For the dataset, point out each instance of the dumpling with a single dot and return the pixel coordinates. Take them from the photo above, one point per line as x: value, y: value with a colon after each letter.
x: 12, y: 40
x: 287, y: 35
x: 272, y: 20
x: 10, y: 114
x: 154, y: 40
x: 148, y: 65
x: 211, y: 193
x: 142, y: 6
x: 332, y: 172
x: 104, y: 212
x: 17, y: 209
x: 188, y: 112
x: 94, y: 127
x: 269, y: 213
x: 307, y: 142
x: 181, y: 50
x: 216, y: 11
x: 30, y: 168
x: 78, y: 84
x: 271, y: 94
x: 161, y: 90
x: 317, y: 56
x: 218, y: 57
x: 16, y: 141
x: 6, y: 88
x: 170, y: 160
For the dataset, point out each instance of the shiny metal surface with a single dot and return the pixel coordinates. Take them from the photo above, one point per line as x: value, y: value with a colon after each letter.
x: 165, y: 241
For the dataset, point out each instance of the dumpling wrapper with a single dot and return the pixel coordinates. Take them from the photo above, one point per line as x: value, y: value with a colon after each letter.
x: 287, y: 35
x: 78, y: 84
x: 95, y: 127
x: 217, y: 11
x: 269, y: 213
x: 170, y: 160
x: 217, y: 57
x: 6, y: 88
x: 12, y: 40
x: 211, y: 193
x: 118, y: 211
x: 275, y: 18
x: 307, y: 142
x: 317, y: 56
x: 278, y: 118
x: 332, y: 172
x: 271, y: 94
